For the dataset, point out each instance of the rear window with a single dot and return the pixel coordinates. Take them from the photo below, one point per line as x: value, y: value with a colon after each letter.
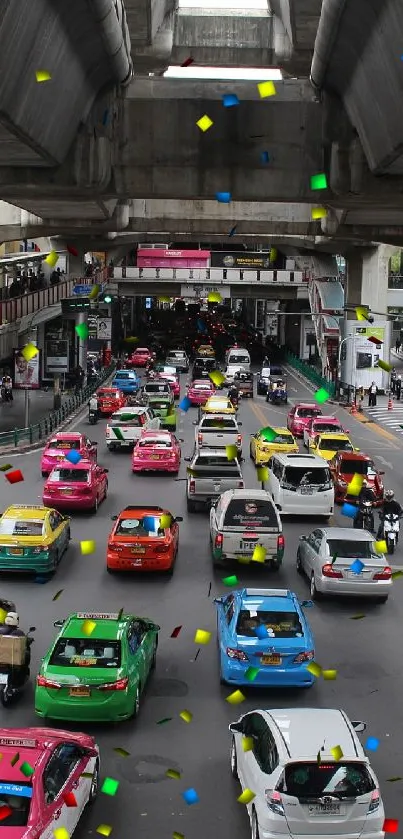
x: 224, y: 423
x: 343, y: 780
x: 154, y: 388
x: 134, y: 527
x: 219, y: 406
x: 157, y: 443
x: 17, y: 527
x: 15, y: 803
x: 241, y: 359
x: 204, y: 386
x: 278, y: 624
x: 220, y: 469
x: 127, y: 420
x: 280, y: 438
x: 357, y: 467
x: 297, y: 476
x: 124, y: 376
x: 205, y: 364
x: 351, y: 549
x: 330, y: 445
x: 304, y: 413
x: 80, y: 476
x: 323, y: 427
x: 64, y: 444
x: 244, y: 377
x: 250, y: 513
x: 80, y: 652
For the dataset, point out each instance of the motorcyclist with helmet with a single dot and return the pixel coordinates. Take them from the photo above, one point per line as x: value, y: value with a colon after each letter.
x: 233, y: 394
x: 389, y: 507
x: 11, y: 627
x: 366, y: 494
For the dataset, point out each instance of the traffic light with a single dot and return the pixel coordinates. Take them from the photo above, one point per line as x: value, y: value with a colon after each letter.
x: 107, y: 298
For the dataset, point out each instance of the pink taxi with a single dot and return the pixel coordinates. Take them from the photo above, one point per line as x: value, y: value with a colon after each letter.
x: 156, y: 451
x: 48, y: 776
x: 173, y: 381
x: 300, y: 416
x: 322, y: 425
x: 76, y: 487
x: 199, y: 391
x: 61, y: 444
x: 140, y: 357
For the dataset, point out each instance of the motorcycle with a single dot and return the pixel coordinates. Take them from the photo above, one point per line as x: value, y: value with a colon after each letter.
x: 235, y: 400
x: 364, y: 517
x: 7, y: 393
x: 390, y: 530
x: 13, y: 680
x: 92, y: 416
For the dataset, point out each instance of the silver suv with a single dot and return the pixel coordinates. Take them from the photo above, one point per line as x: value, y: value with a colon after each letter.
x: 216, y: 431
x: 210, y: 474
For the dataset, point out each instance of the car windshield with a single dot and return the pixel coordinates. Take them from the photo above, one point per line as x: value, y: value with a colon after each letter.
x: 218, y: 422
x: 310, y: 780
x: 357, y: 467
x: 276, y: 371
x: 155, y: 443
x: 351, y: 548
x: 64, y: 444
x: 250, y: 512
x: 305, y: 413
x: 134, y: 527
x: 15, y: 803
x: 330, y: 445
x: 239, y: 359
x: 18, y: 527
x: 78, y: 476
x: 297, y: 476
x: 88, y: 652
x: 278, y: 624
x: 155, y: 388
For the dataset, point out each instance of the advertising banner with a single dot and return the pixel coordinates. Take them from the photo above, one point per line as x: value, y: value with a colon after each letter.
x: 202, y: 291
x: 241, y: 259
x: 367, y: 352
x: 26, y: 373
x: 359, y: 355
x: 57, y: 356
x: 104, y: 329
x: 159, y: 258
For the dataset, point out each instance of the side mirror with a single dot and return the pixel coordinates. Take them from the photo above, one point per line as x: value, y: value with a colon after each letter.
x: 307, y: 604
x: 178, y: 518
x: 188, y: 459
x: 236, y: 727
x: 239, y: 423
x: 114, y: 518
x: 94, y: 443
x: 59, y: 623
x: 347, y: 431
x: 303, y: 538
x: 218, y: 600
x: 195, y: 422
x: 153, y: 627
x: 358, y: 726
x: 356, y: 450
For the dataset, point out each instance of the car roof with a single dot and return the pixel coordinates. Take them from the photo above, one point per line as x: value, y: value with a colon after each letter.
x: 300, y: 459
x: 118, y: 373
x: 132, y: 409
x: 354, y: 456
x: 326, y: 418
x: 141, y: 349
x: 29, y: 511
x: 247, y: 494
x: 307, y: 405
x: 208, y: 452
x: 130, y: 512
x: 31, y: 744
x: 306, y: 730
x: 106, y: 628
x: 279, y: 430
x: 333, y: 435
x: 163, y: 432
x: 347, y: 533
x: 84, y: 463
x: 203, y: 382
x: 278, y: 600
x: 68, y: 435
x: 219, y: 417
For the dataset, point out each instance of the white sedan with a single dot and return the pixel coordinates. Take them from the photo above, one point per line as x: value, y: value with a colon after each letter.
x: 244, y: 524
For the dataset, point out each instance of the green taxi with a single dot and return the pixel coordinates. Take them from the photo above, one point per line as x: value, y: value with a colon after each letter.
x: 163, y: 408
x: 97, y: 668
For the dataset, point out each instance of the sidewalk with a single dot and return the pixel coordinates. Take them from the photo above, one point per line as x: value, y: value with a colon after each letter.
x: 12, y: 414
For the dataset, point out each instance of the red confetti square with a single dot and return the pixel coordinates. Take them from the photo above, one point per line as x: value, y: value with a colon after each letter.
x: 5, y: 812
x: 391, y: 825
x: 188, y: 62
x: 15, y: 476
x: 70, y: 799
x: 375, y: 340
x: 72, y: 250
x: 176, y: 632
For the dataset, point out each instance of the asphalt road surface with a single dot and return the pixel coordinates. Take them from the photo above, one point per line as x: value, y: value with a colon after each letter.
x: 366, y: 653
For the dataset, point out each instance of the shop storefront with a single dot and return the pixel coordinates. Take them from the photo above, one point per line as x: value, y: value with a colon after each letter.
x: 159, y: 258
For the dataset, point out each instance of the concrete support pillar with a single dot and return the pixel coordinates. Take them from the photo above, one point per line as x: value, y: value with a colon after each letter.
x: 75, y: 266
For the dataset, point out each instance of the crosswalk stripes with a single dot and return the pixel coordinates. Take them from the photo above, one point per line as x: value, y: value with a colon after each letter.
x: 389, y: 419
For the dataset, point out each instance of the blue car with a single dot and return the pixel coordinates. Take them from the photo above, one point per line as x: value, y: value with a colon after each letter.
x: 126, y: 380
x: 264, y: 628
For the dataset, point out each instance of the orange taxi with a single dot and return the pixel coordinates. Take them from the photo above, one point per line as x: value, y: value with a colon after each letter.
x: 143, y: 539
x: 110, y: 400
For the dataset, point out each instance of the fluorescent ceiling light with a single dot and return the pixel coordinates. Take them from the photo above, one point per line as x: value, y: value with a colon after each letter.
x: 236, y: 5
x: 230, y: 74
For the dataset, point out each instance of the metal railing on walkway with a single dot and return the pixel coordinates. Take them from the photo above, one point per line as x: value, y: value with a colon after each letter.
x: 42, y: 429
x: 310, y: 373
x: 28, y: 304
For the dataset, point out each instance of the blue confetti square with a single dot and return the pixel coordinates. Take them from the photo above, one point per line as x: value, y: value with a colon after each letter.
x: 150, y: 523
x: 201, y: 326
x: 232, y: 231
x: 223, y: 197
x: 265, y: 158
x: 372, y: 744
x: 41, y: 581
x: 184, y: 404
x: 357, y: 566
x: 73, y: 456
x: 349, y: 510
x: 229, y: 100
x: 261, y: 632
x: 190, y: 795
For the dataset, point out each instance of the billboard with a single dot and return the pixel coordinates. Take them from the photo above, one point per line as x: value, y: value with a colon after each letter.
x: 57, y: 356
x: 241, y: 259
x: 359, y: 355
x: 159, y: 258
x: 26, y: 373
x: 104, y: 329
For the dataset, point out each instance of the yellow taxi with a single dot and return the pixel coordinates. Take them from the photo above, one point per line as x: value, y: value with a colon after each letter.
x: 206, y: 351
x: 32, y: 539
x: 327, y: 445
x: 218, y: 405
x: 268, y: 441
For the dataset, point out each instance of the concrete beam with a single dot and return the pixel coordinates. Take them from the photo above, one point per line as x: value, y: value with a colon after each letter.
x: 224, y: 38
x: 297, y: 91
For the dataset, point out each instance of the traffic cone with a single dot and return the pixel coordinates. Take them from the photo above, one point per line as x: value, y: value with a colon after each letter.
x: 390, y: 404
x: 353, y: 409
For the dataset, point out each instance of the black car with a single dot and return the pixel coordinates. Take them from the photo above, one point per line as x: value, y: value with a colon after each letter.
x: 202, y: 367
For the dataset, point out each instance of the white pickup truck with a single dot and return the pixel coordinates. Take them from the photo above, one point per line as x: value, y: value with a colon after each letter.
x: 216, y: 431
x: 126, y: 425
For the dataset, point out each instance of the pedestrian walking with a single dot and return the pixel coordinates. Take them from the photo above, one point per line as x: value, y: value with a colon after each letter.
x: 398, y: 387
x: 372, y: 394
x: 393, y: 378
x: 398, y: 345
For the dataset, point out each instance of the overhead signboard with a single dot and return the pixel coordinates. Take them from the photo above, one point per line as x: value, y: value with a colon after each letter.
x: 159, y: 258
x: 199, y: 292
x: 82, y: 289
x: 241, y: 259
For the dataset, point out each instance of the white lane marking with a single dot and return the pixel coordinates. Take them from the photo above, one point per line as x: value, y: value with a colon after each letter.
x: 386, y: 462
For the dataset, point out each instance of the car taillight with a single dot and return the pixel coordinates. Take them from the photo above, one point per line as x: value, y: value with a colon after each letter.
x: 239, y: 655
x: 274, y: 802
x: 280, y: 542
x: 241, y: 485
x: 162, y: 549
x: 384, y: 575
x: 375, y: 801
x: 329, y: 571
x: 121, y: 684
x: 239, y: 439
x: 108, y: 430
x: 308, y: 656
x: 47, y: 683
x: 113, y: 547
x: 192, y: 486
x: 219, y: 541
x: 200, y: 437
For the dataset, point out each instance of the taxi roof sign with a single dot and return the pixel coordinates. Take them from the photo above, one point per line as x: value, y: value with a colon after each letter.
x: 19, y: 741
x: 108, y: 616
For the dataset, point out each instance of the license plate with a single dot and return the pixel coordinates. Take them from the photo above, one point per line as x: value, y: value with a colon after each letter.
x: 138, y: 550
x: 3, y: 678
x: 67, y: 491
x: 79, y: 691
x: 306, y: 491
x: 361, y: 574
x: 247, y: 546
x: 16, y: 551
x: 332, y: 809
x: 155, y: 457
x: 270, y: 659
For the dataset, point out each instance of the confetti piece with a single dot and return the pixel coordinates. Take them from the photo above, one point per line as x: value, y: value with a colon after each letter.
x: 27, y: 769
x: 198, y: 651
x: 184, y: 404
x: 82, y: 331
x: 29, y: 352
x: 251, y: 673
x: 262, y: 473
x: 315, y: 669
x: 61, y: 833
x: 230, y: 581
x: 6, y: 467
x: 121, y: 752
x: 264, y: 157
x: 337, y: 752
x: 14, y: 477
x: 202, y: 636
x: 319, y: 181
x: 232, y: 231
x: 58, y: 594
x: 209, y: 590
x: 119, y: 617
x: 384, y: 366
x: 72, y: 250
x: 5, y: 812
x: 94, y: 292
x: 235, y: 698
x: 87, y: 547
x: 223, y: 198
x: 243, y: 560
x: 273, y: 254
x: 268, y: 434
x: 356, y: 566
x: 247, y: 744
x: 164, y: 720
x: 190, y: 796
x: 355, y: 485
x: 259, y: 554
x: 204, y: 123
x: 15, y: 759
x: 43, y: 76
x: 186, y: 716
x: 394, y: 779
x: 231, y: 452
x: 397, y: 574
x: 172, y: 773
x: 70, y: 799
x: 381, y: 547
x: 88, y: 627
x: 52, y: 259
x: 321, y: 395
x: 177, y: 835
x: 357, y: 617
x: 348, y: 510
x: 261, y: 632
x: 390, y: 825
x: 150, y: 523
x: 266, y: 89
x: 176, y: 632
x: 246, y: 796
x: 73, y: 456
x: 372, y: 744
x: 187, y: 62
x: 374, y: 340
x: 229, y: 100
x: 217, y: 378
x: 361, y: 312
x: 110, y: 786
x: 104, y: 829
x: 318, y: 212
x: 329, y: 675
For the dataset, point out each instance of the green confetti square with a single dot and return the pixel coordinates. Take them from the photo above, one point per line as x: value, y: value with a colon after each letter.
x: 82, y: 331
x: 230, y: 581
x: 251, y: 673
x: 321, y: 395
x: 26, y: 769
x: 319, y: 181
x: 268, y: 434
x: 110, y: 786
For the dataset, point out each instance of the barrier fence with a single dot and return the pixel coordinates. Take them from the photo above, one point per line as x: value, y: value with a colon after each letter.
x: 311, y: 374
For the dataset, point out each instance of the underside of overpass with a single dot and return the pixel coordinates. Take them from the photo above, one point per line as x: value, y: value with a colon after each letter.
x: 108, y: 150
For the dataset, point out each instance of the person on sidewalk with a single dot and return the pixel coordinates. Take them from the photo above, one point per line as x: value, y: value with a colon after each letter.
x: 398, y: 345
x: 398, y: 387
x: 393, y: 377
x: 372, y: 394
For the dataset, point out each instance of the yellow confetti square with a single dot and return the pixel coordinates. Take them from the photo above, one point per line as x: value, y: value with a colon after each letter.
x: 243, y: 560
x: 187, y: 716
x: 318, y: 212
x: 202, y: 636
x: 174, y: 774
x: 61, y: 833
x: 177, y: 835
x: 164, y: 299
x: 165, y: 522
x: 104, y: 829
x: 88, y: 547
x: 52, y: 259
x: 337, y: 752
x: 214, y: 297
x: 235, y: 698
x: 217, y: 378
x: 29, y: 351
x: 262, y: 473
x: 247, y: 744
x: 231, y: 452
x: 361, y: 312
x: 43, y: 76
x: 94, y: 292
x: 384, y: 366
x: 204, y: 123
x: 355, y: 485
x: 329, y: 675
x: 259, y: 554
x: 88, y: 627
x: 266, y: 89
x: 246, y: 796
x: 381, y: 547
x: 273, y: 254
x: 315, y: 669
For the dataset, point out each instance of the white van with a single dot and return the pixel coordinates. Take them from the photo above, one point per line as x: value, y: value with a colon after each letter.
x: 238, y: 356
x: 301, y: 485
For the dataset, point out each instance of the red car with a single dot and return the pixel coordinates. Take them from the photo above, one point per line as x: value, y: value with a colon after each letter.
x: 157, y: 451
x: 61, y: 444
x: 140, y: 357
x: 322, y: 425
x: 299, y: 417
x: 173, y: 381
x: 110, y: 400
x: 76, y: 487
x: 140, y: 540
x: 199, y: 391
x: 347, y: 464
